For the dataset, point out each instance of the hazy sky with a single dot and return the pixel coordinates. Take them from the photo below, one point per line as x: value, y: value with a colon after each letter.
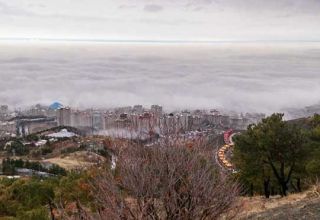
x: 161, y: 19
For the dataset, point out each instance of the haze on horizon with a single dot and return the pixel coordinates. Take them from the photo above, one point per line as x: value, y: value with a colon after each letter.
x: 233, y: 76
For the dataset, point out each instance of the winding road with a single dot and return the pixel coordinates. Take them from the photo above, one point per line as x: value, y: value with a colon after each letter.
x: 220, y: 156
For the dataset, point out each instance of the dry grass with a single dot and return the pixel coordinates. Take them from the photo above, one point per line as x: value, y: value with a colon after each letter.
x: 315, y: 190
x: 68, y: 163
x: 260, y: 204
x: 76, y: 160
x: 252, y: 206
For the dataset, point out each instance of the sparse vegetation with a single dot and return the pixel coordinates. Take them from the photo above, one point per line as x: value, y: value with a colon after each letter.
x: 9, y: 167
x: 169, y: 180
x: 16, y: 147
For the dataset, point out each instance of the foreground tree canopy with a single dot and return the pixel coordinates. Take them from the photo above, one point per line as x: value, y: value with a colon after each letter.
x: 273, y: 156
x: 164, y: 182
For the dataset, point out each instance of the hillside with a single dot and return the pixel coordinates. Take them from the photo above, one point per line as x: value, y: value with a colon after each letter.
x: 304, y: 209
x: 298, y: 206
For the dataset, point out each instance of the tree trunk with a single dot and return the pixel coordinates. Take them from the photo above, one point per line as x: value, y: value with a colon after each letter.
x: 266, y: 183
x: 299, y: 184
x: 284, y: 189
x: 293, y: 186
x: 51, y: 210
x: 272, y: 191
x: 251, y: 190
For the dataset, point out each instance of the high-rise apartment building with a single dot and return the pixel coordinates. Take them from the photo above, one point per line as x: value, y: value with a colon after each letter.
x: 64, y: 117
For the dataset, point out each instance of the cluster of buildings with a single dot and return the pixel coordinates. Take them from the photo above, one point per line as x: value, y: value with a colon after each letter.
x: 303, y: 112
x: 136, y: 119
x: 6, y: 127
x: 153, y: 119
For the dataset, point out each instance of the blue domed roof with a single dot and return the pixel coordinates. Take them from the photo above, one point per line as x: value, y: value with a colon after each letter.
x: 55, y: 106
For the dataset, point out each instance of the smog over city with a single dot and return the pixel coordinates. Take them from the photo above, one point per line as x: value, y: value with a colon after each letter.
x: 234, y: 76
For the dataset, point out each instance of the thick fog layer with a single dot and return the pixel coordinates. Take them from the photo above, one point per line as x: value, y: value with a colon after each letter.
x: 242, y: 77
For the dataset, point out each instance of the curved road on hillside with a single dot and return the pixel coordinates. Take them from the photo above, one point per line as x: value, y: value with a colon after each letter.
x: 220, y: 154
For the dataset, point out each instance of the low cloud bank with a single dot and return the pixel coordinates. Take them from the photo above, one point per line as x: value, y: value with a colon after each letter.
x: 240, y: 77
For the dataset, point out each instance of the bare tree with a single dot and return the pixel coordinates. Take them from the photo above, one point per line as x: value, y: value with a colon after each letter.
x: 162, y: 182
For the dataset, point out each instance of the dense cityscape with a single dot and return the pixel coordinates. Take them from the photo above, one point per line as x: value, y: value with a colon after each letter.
x: 138, y: 120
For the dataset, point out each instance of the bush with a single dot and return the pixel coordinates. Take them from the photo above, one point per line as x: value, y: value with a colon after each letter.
x: 32, y: 137
x: 69, y: 150
x: 34, y: 214
x: 57, y: 170
x: 164, y: 182
x: 9, y: 166
x: 46, y: 150
x: 17, y: 148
